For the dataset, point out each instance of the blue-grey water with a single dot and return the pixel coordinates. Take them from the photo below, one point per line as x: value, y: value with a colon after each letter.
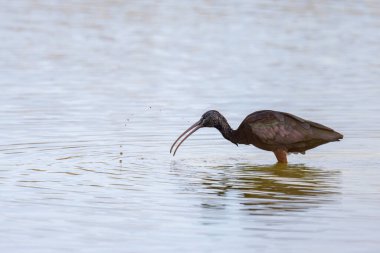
x: 93, y: 93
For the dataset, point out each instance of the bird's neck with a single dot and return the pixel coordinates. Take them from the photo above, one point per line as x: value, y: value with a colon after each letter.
x: 226, y: 130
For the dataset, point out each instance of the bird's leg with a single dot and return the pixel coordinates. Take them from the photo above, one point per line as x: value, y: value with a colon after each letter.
x: 281, y: 156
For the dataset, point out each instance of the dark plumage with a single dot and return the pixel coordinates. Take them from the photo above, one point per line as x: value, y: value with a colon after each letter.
x: 279, y: 132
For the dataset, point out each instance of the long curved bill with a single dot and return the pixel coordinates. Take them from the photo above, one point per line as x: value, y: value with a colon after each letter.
x: 191, y: 129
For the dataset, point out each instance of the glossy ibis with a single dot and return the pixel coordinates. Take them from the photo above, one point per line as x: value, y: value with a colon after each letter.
x: 278, y: 132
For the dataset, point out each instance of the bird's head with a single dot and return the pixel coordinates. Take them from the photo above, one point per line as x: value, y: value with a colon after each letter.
x: 209, y: 119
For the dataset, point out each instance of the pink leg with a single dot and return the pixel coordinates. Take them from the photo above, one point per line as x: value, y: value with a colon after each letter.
x: 281, y: 156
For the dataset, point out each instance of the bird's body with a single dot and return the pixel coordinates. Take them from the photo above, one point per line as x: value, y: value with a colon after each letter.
x: 274, y: 131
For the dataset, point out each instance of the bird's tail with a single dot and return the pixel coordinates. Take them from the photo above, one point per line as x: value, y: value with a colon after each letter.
x: 336, y: 136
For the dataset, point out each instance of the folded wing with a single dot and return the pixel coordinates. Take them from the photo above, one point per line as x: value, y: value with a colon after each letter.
x: 273, y: 130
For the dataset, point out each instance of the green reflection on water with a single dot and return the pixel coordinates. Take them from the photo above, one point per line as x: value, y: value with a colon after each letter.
x: 272, y: 189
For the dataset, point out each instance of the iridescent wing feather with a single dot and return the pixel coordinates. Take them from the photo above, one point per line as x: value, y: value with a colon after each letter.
x: 273, y: 130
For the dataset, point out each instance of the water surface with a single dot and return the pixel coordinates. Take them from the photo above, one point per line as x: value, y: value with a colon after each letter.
x: 93, y: 93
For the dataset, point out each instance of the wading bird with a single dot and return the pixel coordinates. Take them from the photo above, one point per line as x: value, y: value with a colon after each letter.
x: 278, y: 132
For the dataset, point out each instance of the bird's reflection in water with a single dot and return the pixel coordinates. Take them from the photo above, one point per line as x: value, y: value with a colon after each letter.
x: 267, y: 190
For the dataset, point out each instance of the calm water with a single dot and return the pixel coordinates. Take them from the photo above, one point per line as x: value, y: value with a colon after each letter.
x: 93, y: 93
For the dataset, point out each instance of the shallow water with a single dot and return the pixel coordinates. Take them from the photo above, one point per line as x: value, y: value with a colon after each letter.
x: 94, y: 93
